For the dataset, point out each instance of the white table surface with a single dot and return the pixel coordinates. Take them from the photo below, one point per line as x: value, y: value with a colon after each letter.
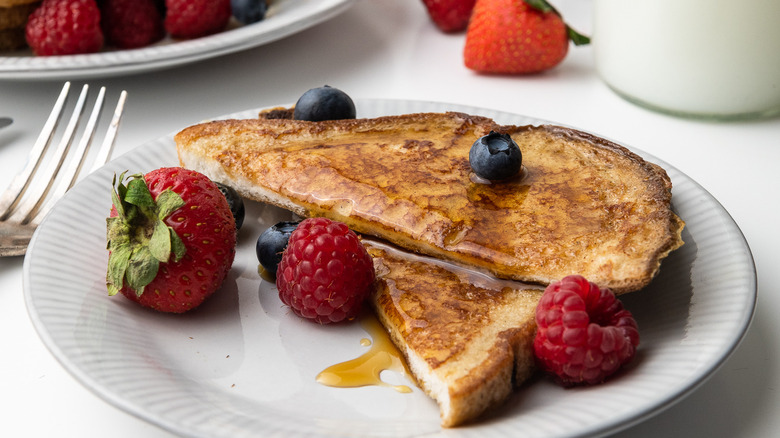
x: 389, y: 49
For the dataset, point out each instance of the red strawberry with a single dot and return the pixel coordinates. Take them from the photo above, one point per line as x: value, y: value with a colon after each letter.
x: 450, y: 15
x: 171, y: 238
x: 129, y: 24
x: 196, y: 18
x: 517, y: 36
x: 64, y: 27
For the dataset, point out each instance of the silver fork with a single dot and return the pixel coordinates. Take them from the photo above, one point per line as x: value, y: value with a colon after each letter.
x: 33, y: 191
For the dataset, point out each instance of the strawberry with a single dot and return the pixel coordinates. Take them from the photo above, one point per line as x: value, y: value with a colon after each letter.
x: 450, y: 15
x: 171, y: 239
x: 517, y: 36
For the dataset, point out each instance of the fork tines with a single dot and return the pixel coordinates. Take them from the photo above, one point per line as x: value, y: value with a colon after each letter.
x: 46, y: 177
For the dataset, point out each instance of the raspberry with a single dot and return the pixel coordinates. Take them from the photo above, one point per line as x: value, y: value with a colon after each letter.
x: 584, y: 334
x: 325, y: 273
x: 196, y: 18
x: 130, y: 24
x: 64, y: 27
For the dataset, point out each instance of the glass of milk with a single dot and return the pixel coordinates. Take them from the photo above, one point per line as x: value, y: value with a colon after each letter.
x: 717, y: 59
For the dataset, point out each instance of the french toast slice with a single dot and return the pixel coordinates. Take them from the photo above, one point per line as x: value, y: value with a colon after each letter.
x: 583, y: 205
x: 13, y: 19
x: 467, y: 337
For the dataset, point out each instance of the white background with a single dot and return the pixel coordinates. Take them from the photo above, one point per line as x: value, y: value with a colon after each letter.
x: 389, y: 49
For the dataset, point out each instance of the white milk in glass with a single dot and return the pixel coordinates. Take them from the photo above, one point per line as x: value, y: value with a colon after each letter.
x: 703, y: 58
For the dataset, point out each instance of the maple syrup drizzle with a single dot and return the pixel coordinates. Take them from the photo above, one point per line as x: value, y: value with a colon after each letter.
x: 265, y: 275
x: 365, y: 370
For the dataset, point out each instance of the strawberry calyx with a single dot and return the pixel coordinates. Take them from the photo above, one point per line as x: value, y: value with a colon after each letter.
x: 544, y: 6
x: 138, y: 238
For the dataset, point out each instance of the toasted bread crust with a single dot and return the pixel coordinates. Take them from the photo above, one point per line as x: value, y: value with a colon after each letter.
x: 583, y: 206
x: 13, y: 19
x: 12, y: 3
x: 467, y: 337
x: 12, y: 39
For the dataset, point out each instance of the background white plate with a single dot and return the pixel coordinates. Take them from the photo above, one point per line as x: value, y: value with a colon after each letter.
x: 242, y: 365
x: 284, y: 17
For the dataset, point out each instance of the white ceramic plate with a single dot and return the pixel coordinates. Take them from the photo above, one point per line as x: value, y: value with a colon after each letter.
x: 242, y: 365
x: 284, y: 17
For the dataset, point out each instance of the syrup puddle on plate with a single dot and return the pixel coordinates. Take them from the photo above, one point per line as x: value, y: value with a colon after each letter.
x: 365, y: 369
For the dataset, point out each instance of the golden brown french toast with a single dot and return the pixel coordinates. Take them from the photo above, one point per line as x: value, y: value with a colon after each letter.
x: 13, y: 19
x: 467, y: 337
x: 583, y: 205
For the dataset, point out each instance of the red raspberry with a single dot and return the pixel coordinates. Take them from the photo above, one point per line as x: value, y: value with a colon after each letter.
x: 584, y: 334
x: 129, y: 24
x: 196, y: 18
x: 64, y: 27
x: 325, y: 273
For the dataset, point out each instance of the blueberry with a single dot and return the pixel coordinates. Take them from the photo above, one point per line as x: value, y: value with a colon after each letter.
x: 271, y: 245
x: 249, y: 11
x: 235, y: 202
x: 495, y: 157
x: 324, y: 103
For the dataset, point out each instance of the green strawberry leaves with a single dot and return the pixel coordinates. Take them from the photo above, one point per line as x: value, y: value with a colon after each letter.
x: 137, y: 192
x: 117, y: 265
x: 138, y: 237
x: 543, y: 6
x: 160, y: 243
x: 142, y: 267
